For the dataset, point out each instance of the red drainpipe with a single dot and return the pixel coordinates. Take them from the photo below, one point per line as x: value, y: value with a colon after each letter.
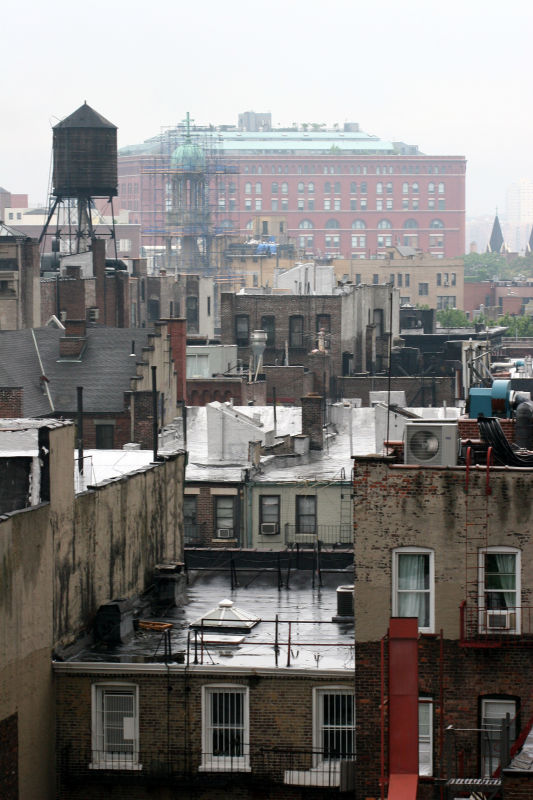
x: 403, y: 708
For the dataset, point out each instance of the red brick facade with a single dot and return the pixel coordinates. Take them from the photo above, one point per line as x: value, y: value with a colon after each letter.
x: 11, y: 401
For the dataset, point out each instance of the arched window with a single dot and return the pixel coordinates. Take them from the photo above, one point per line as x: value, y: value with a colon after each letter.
x: 353, y: 187
x: 389, y: 188
x: 410, y: 223
x: 327, y: 187
x: 379, y: 188
x: 431, y: 188
x: 284, y: 187
x: 311, y: 187
x: 258, y: 188
x: 405, y: 188
x: 306, y: 223
x: 414, y: 188
x: 300, y: 186
x: 436, y: 223
x: 332, y: 223
x: 441, y: 188
x: 337, y: 187
x: 275, y: 187
x: 384, y: 223
x: 248, y: 187
x: 363, y: 187
x: 358, y: 224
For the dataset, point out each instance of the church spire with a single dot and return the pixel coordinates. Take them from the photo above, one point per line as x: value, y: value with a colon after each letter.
x: 495, y: 244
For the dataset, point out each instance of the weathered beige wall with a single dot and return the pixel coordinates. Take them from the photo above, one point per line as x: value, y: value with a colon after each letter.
x: 396, y: 506
x: 59, y: 562
x: 119, y: 532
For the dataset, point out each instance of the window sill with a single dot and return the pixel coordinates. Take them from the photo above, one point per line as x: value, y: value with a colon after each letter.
x: 229, y: 766
x: 115, y: 766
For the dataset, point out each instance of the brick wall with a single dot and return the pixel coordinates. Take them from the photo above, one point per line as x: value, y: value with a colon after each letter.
x: 280, y: 717
x: 282, y: 307
x: 11, y: 401
x: 290, y: 383
x: 313, y: 420
x: 403, y: 506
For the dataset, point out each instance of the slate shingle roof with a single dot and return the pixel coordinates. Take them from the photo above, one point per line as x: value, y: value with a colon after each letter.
x: 104, y: 370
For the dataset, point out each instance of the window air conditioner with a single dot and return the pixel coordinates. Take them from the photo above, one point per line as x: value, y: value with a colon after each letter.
x: 225, y: 533
x: 500, y: 620
x: 269, y: 528
x: 431, y: 444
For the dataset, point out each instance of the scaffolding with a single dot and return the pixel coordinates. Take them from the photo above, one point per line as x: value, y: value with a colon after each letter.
x: 194, y: 202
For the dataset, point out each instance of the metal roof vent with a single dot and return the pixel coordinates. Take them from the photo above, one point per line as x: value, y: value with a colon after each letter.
x: 226, y: 616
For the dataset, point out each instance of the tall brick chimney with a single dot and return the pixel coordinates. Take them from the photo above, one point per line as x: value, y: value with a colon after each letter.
x: 11, y: 401
x: 71, y: 345
x: 98, y: 251
x: 177, y: 330
x: 313, y: 420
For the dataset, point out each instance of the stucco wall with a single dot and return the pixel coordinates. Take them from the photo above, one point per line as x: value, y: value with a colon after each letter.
x: 59, y: 562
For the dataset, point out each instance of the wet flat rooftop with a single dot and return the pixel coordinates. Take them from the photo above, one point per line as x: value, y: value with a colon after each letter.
x: 305, y: 634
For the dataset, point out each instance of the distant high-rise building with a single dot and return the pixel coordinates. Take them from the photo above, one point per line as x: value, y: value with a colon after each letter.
x: 519, y: 213
x: 250, y: 121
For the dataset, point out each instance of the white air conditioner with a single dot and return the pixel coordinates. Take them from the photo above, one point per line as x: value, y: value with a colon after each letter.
x: 500, y: 620
x: 269, y: 528
x: 431, y: 443
x: 62, y: 316
x: 225, y: 533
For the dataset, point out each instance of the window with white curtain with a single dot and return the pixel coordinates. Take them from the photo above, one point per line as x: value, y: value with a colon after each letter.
x: 225, y: 729
x: 413, y: 586
x: 499, y: 590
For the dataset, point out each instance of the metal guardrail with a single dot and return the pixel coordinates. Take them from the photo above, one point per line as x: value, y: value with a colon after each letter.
x: 326, y: 534
x: 490, y: 627
x: 290, y: 766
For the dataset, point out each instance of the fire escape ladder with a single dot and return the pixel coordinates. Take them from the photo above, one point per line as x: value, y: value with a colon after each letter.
x: 476, y: 539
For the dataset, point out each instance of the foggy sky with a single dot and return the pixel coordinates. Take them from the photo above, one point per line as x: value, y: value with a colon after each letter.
x: 453, y: 77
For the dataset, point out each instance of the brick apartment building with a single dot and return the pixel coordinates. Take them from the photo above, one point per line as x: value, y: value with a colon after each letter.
x: 355, y: 328
x: 450, y: 546
x: 246, y: 720
x: 42, y: 369
x: 332, y: 192
x: 19, y: 280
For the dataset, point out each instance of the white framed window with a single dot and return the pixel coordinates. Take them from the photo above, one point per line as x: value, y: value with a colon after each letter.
x: 413, y: 586
x: 225, y: 728
x: 425, y: 736
x: 115, y: 726
x: 333, y: 724
x: 499, y: 590
x: 493, y: 715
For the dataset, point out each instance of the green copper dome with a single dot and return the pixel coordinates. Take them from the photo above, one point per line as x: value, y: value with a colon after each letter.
x: 188, y: 156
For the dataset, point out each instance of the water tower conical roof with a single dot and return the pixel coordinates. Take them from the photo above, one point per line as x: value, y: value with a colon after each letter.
x: 85, y: 117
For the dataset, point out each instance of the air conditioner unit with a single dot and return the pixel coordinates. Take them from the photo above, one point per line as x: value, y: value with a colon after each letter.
x: 225, y: 533
x: 269, y: 528
x: 62, y: 316
x: 431, y: 443
x: 500, y: 620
